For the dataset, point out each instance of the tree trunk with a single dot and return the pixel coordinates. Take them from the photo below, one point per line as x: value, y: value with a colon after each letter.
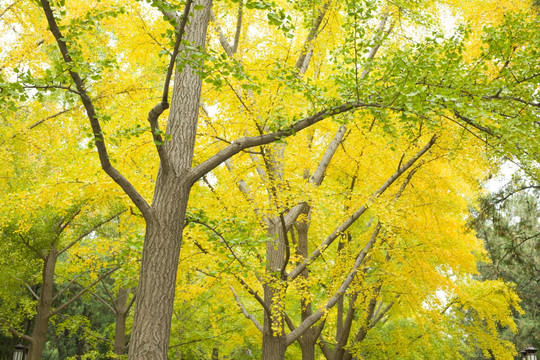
x: 157, y: 281
x: 309, y: 339
x: 121, y: 311
x: 39, y: 333
x: 274, y: 343
x: 308, y: 349
x: 273, y: 347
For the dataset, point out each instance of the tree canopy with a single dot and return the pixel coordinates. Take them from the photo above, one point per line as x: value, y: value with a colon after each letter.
x: 292, y: 179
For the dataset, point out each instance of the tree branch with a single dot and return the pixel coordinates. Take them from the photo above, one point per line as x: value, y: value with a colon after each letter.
x: 238, y: 26
x: 8, y: 8
x: 473, y: 124
x: 222, y: 39
x: 80, y: 293
x: 342, y: 228
x: 318, y: 175
x: 312, y: 319
x: 300, y: 62
x: 21, y: 335
x: 89, y: 231
x: 36, y: 296
x: 26, y: 243
x: 246, y: 314
x: 254, y: 294
x: 39, y: 122
x: 238, y: 145
x: 156, y: 112
x: 67, y: 286
x: 214, y: 230
x: 106, y: 165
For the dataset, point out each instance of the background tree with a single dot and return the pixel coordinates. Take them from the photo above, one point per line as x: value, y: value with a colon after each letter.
x: 508, y: 222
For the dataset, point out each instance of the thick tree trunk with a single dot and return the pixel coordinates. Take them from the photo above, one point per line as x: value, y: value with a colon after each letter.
x: 39, y: 333
x: 157, y: 281
x: 155, y: 296
x: 308, y: 349
x: 273, y: 347
x: 121, y: 312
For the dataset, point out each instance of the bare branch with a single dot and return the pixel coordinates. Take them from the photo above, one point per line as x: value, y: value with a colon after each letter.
x: 378, y: 41
x: 103, y: 301
x: 214, y: 230
x: 222, y: 39
x: 26, y: 243
x: 287, y: 247
x: 246, y: 314
x: 89, y: 231
x: 156, y: 112
x: 318, y: 175
x: 36, y: 296
x: 342, y: 228
x: 21, y: 335
x: 301, y: 63
x: 379, y: 316
x: 81, y: 293
x: 128, y: 188
x: 131, y: 302
x: 67, y: 286
x: 238, y: 26
x: 39, y: 122
x: 254, y: 294
x: 8, y: 8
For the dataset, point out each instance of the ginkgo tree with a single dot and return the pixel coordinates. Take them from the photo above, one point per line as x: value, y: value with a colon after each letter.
x: 112, y: 59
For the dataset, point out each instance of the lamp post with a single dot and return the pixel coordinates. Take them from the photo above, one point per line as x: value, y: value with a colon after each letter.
x: 529, y: 353
x: 20, y: 352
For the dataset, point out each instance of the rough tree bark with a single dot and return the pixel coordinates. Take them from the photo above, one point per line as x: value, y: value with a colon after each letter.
x: 121, y: 311
x: 155, y: 294
x: 39, y: 333
x: 274, y: 340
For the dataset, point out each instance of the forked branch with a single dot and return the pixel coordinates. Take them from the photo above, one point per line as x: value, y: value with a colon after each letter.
x: 99, y: 140
x: 238, y: 145
x: 352, y: 219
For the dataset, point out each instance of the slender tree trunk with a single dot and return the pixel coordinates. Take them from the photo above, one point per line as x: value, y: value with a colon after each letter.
x: 309, y: 339
x: 274, y: 343
x: 121, y: 315
x: 157, y: 281
x: 39, y: 333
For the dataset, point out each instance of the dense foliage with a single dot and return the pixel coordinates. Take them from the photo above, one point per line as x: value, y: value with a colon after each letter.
x: 310, y: 176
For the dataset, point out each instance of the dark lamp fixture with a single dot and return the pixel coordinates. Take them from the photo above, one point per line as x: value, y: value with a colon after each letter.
x: 20, y: 352
x: 529, y: 353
